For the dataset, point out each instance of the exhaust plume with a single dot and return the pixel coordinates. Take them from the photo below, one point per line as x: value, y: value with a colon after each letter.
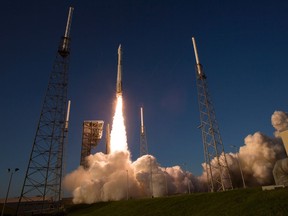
x: 118, y: 141
x: 116, y: 177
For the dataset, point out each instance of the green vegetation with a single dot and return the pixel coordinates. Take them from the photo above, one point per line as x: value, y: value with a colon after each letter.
x: 236, y: 202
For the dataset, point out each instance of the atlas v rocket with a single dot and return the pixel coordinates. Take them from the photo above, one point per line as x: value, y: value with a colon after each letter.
x: 119, y: 73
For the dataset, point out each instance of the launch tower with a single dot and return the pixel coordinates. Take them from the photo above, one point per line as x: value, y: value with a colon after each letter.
x: 91, y: 135
x: 143, y: 140
x: 217, y: 170
x: 41, y: 192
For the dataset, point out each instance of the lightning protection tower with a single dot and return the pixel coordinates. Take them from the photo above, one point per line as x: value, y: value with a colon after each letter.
x: 143, y: 140
x: 41, y: 192
x: 108, y: 139
x: 217, y: 170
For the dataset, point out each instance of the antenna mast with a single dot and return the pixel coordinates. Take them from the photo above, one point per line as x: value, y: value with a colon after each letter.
x: 143, y: 140
x: 42, y: 192
x: 218, y: 176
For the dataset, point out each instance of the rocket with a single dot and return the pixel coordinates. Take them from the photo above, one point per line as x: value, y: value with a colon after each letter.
x: 119, y: 73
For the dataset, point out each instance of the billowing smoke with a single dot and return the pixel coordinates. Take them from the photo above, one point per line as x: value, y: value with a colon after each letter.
x: 279, y: 121
x: 256, y: 158
x: 115, y: 176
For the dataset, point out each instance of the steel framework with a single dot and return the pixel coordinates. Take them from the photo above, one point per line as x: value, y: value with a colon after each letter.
x: 216, y: 166
x: 91, y: 135
x: 41, y: 192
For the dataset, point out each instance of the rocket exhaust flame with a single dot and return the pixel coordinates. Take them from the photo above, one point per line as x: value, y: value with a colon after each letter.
x: 114, y: 176
x: 107, y: 176
x: 118, y: 140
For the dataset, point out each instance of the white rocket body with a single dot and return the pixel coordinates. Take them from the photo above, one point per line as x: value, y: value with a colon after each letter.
x: 119, y: 73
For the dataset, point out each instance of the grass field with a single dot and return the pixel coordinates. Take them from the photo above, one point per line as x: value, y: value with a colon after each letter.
x: 236, y: 202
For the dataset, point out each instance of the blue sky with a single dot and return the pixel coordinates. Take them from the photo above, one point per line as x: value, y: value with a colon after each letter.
x: 242, y: 46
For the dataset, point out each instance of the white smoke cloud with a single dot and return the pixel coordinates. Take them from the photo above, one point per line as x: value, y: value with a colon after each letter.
x: 116, y: 177
x: 106, y: 178
x: 279, y: 120
x: 257, y: 158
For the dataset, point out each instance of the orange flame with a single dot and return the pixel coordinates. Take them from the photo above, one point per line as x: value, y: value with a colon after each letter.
x: 118, y: 140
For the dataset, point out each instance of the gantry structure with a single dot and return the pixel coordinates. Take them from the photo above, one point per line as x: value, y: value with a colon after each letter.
x: 143, y: 139
x: 216, y: 166
x: 41, y: 191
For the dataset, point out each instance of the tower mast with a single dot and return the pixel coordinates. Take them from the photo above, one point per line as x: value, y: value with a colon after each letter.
x: 41, y: 192
x: 218, y: 176
x: 143, y: 140
x: 108, y: 139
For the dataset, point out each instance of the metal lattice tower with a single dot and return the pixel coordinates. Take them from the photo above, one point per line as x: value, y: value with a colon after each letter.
x: 143, y: 140
x: 91, y: 135
x: 41, y: 192
x: 217, y: 170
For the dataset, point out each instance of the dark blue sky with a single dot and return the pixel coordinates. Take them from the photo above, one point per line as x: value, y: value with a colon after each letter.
x: 242, y: 46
